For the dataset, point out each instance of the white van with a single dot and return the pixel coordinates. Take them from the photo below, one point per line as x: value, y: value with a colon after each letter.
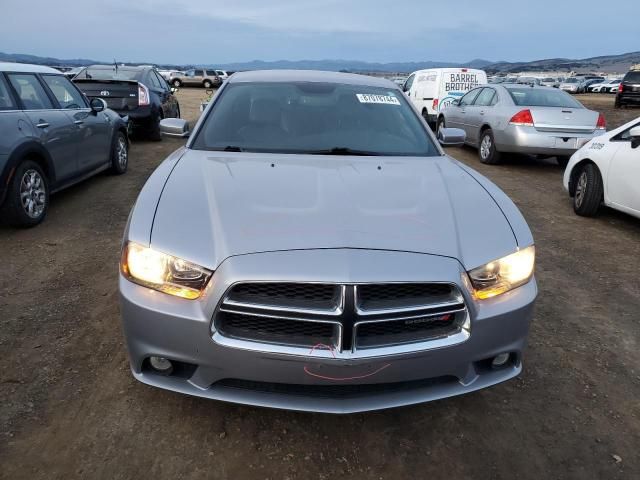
x: 433, y: 89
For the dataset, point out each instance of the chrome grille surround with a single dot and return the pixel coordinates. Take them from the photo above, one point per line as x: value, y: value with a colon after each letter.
x: 353, y: 313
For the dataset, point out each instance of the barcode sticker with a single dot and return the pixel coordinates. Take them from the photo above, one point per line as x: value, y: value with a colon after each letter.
x: 381, y: 99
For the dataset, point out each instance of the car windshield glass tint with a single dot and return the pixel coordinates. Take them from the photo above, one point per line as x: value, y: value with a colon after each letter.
x: 110, y: 74
x: 541, y: 97
x: 310, y: 117
x: 571, y: 80
x: 633, y: 77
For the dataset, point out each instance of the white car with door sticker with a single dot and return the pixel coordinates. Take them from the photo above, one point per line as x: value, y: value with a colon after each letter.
x: 434, y: 89
x: 607, y: 170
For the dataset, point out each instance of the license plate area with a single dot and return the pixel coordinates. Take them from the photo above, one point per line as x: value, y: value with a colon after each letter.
x: 566, y: 142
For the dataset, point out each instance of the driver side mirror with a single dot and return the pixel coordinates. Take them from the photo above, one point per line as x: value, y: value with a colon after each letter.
x: 174, y: 127
x: 451, y: 137
x: 634, y: 133
x: 97, y: 105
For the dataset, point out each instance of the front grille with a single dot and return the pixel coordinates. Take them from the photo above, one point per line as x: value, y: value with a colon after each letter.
x: 287, y: 295
x: 343, y: 317
x: 275, y: 330
x: 332, y: 391
x: 396, y: 332
x: 382, y: 296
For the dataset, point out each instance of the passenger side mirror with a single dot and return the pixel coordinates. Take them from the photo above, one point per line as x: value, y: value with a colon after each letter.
x: 634, y: 133
x: 174, y: 127
x: 456, y: 102
x: 451, y: 137
x: 97, y: 105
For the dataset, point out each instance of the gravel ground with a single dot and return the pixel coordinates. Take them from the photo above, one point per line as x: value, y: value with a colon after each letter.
x: 70, y: 408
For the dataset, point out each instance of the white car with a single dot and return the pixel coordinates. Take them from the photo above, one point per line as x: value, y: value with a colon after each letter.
x: 605, y: 87
x: 436, y: 88
x: 606, y: 170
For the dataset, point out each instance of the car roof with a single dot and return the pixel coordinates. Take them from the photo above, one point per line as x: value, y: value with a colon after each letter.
x: 120, y: 67
x: 26, y: 68
x: 309, y: 76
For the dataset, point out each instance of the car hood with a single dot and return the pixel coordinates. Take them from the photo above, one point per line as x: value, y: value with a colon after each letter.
x: 215, y: 205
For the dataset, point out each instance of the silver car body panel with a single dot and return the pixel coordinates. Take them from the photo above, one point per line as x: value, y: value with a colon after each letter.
x: 156, y: 324
x: 239, y: 203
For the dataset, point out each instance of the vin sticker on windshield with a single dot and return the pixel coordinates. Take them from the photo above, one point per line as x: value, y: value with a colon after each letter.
x: 382, y: 99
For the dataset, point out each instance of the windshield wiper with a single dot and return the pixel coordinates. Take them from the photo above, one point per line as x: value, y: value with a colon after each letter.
x: 231, y: 148
x: 345, y: 151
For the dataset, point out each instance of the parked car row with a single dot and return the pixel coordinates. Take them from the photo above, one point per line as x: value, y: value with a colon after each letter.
x: 606, y: 86
x: 139, y: 93
x: 53, y: 136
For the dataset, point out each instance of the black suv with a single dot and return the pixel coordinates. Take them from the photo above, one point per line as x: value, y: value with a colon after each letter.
x: 629, y: 89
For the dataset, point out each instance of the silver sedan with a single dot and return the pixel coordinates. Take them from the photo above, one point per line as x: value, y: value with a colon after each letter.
x: 526, y: 119
x: 313, y: 248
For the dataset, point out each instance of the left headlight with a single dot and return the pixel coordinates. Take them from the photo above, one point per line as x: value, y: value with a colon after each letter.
x: 165, y: 273
x: 505, y: 274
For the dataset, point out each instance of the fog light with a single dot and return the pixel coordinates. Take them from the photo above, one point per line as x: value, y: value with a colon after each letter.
x: 161, y: 364
x: 500, y: 360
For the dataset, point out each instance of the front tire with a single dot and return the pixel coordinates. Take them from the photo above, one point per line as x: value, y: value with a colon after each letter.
x: 440, y: 124
x: 207, y: 84
x: 27, y: 199
x: 119, y: 154
x: 487, y: 151
x: 589, y: 191
x: 176, y: 83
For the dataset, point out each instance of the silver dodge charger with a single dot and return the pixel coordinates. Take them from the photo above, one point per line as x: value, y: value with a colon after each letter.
x: 313, y: 248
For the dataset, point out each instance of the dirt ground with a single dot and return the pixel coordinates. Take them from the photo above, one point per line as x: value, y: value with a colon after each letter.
x: 71, y: 409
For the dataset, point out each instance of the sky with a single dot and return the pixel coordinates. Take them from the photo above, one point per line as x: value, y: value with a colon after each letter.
x: 209, y: 31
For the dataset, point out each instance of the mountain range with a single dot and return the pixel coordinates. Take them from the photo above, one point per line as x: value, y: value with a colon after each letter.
x: 608, y: 63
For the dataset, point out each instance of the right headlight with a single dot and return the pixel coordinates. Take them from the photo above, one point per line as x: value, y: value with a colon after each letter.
x: 504, y: 274
x: 165, y: 273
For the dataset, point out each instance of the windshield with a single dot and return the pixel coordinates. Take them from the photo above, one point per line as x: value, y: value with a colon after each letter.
x: 542, y: 97
x: 110, y: 73
x: 310, y: 117
x: 632, y: 77
x: 571, y: 80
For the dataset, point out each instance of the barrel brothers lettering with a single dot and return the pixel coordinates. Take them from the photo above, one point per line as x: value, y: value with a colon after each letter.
x: 461, y: 82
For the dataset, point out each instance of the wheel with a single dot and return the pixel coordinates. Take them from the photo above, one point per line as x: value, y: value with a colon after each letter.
x: 154, y: 129
x: 27, y: 198
x: 119, y: 154
x: 207, y: 84
x: 176, y: 83
x: 487, y: 151
x: 562, y: 160
x: 440, y: 124
x: 589, y: 191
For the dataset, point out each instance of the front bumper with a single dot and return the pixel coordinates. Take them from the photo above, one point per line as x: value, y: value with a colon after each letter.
x: 529, y: 140
x: 181, y: 330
